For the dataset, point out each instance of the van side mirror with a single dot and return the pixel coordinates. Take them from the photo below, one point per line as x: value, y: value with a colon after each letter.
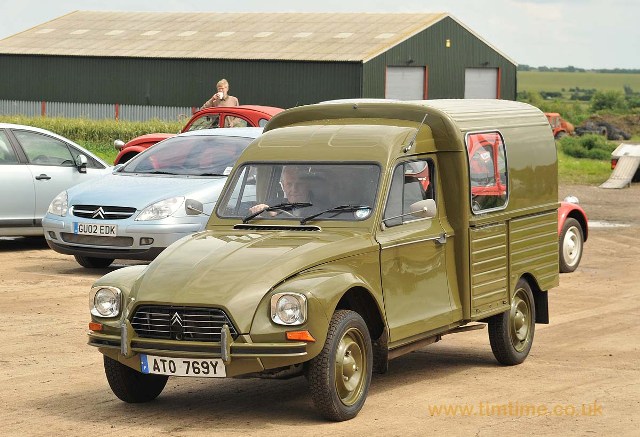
x: 423, y: 208
x: 81, y: 163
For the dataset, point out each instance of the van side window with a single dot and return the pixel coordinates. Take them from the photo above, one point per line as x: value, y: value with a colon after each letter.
x: 487, y: 171
x: 412, y: 182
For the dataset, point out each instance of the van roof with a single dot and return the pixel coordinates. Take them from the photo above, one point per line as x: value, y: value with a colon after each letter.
x: 392, y: 122
x: 467, y: 114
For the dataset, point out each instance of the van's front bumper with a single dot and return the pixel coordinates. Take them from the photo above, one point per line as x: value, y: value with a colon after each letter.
x: 240, y: 355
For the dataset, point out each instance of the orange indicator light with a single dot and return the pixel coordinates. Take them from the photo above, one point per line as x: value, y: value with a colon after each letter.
x: 300, y: 336
x: 95, y: 326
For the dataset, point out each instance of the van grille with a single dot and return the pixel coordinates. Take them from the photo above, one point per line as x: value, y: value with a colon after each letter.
x: 181, y: 323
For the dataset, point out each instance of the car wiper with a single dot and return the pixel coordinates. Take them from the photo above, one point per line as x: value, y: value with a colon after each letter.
x: 287, y: 206
x: 156, y: 172
x: 336, y: 209
x: 211, y: 174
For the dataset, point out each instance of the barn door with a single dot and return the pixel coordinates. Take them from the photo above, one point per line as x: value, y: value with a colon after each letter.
x: 406, y: 83
x: 481, y: 83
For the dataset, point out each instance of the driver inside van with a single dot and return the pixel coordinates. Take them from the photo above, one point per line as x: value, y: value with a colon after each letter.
x: 296, y: 185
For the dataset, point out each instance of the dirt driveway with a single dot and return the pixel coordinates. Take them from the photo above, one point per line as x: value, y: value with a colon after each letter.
x: 581, y: 378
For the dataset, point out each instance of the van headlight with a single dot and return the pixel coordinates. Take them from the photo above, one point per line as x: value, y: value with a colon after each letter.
x: 289, y: 308
x: 160, y: 210
x: 105, y: 301
x: 59, y: 205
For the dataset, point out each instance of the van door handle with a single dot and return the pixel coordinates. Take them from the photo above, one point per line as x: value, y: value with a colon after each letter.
x: 43, y: 176
x: 442, y: 238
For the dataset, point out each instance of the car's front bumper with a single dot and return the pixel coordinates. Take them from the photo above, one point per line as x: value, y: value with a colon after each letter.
x: 135, y: 240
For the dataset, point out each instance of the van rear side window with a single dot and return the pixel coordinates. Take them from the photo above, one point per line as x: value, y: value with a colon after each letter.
x: 487, y: 171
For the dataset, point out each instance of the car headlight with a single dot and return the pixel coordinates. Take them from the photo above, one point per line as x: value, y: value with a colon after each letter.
x: 105, y: 301
x: 59, y: 205
x: 289, y: 308
x: 162, y: 209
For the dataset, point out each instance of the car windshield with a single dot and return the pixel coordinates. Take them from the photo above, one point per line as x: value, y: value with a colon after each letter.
x: 195, y: 155
x: 301, y: 192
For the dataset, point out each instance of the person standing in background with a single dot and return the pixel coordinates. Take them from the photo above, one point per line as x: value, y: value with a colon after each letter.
x: 221, y: 97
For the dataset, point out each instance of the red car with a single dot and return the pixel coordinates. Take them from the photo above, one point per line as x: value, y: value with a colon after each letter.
x: 226, y: 116
x: 573, y: 229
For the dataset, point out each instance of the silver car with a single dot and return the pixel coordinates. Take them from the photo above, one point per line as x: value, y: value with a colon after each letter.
x: 159, y: 196
x: 35, y: 165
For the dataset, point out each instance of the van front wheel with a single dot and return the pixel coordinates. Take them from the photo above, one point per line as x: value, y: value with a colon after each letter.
x: 511, y: 332
x: 130, y: 385
x: 340, y: 375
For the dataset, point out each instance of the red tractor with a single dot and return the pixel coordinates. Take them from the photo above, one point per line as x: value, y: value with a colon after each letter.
x: 559, y: 125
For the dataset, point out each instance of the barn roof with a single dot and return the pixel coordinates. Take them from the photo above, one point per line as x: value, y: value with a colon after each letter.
x: 346, y: 37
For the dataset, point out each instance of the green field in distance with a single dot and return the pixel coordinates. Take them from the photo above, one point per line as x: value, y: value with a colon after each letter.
x: 557, y: 81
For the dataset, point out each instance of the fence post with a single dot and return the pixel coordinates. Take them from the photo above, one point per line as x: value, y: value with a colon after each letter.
x: 117, y: 111
x: 43, y: 109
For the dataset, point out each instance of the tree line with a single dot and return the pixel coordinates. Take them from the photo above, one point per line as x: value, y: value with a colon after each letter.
x: 572, y: 69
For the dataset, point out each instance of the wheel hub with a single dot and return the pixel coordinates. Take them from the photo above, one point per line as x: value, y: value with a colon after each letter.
x: 349, y: 368
x: 520, y: 320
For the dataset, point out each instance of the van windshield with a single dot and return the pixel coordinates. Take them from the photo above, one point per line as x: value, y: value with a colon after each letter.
x: 327, y: 191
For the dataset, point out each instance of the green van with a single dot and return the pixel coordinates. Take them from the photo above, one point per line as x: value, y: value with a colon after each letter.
x: 348, y: 234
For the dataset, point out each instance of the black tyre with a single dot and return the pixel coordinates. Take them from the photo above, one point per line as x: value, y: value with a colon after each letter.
x: 570, y: 244
x: 339, y: 377
x: 90, y: 262
x: 511, y: 333
x: 130, y: 385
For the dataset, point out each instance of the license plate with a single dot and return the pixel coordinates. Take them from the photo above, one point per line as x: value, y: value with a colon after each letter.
x: 95, y: 229
x: 202, y: 368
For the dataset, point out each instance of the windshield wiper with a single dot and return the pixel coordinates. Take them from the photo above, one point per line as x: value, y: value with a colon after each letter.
x: 156, y: 172
x: 279, y: 207
x: 336, y: 209
x: 210, y: 174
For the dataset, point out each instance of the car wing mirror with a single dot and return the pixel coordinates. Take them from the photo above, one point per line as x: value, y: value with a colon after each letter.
x: 423, y: 208
x: 81, y: 163
x: 118, y: 144
x: 193, y: 207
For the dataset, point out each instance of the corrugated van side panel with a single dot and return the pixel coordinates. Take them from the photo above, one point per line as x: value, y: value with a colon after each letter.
x: 489, y: 273
x: 533, y: 248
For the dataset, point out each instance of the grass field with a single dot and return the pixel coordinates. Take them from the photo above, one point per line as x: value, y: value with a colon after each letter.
x: 559, y: 81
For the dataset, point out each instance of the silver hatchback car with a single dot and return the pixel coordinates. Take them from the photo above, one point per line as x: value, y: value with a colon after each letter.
x: 159, y: 196
x: 35, y: 165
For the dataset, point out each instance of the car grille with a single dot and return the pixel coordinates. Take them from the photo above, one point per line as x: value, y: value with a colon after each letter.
x: 98, y: 212
x: 181, y: 323
x: 96, y: 240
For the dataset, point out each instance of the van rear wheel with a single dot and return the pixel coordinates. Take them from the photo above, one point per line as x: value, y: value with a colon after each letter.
x: 340, y: 375
x: 511, y: 332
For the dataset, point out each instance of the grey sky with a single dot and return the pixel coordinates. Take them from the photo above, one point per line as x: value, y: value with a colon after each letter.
x: 553, y: 33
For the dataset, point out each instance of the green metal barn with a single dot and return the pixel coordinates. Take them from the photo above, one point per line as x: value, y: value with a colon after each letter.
x: 276, y: 59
